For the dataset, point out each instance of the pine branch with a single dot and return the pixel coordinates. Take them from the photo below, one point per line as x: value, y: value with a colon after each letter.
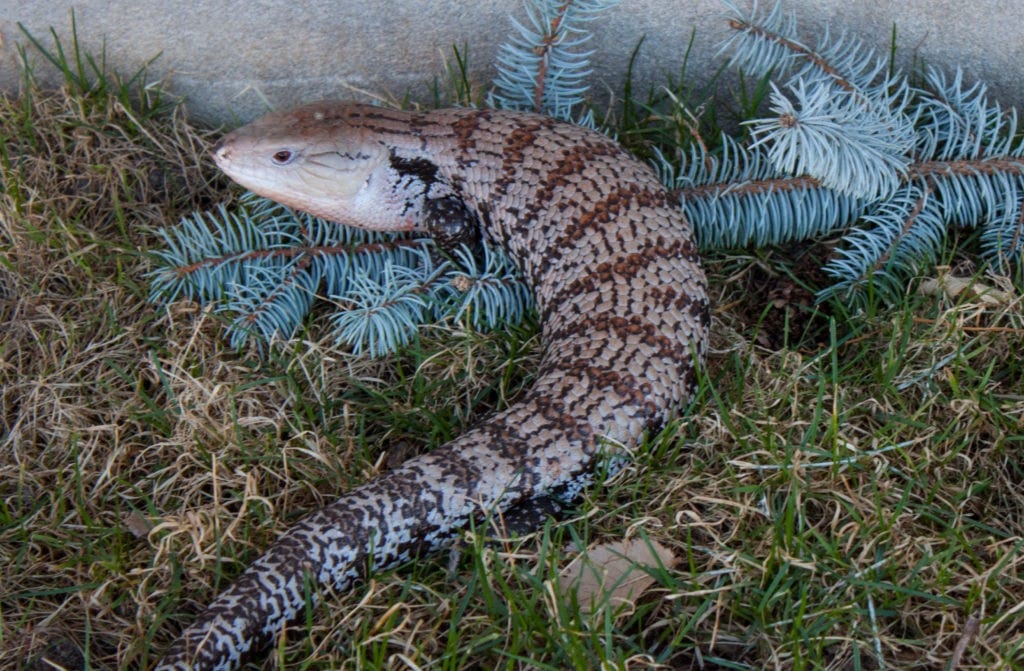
x: 542, y: 68
x: 265, y: 266
x: 736, y: 197
x: 384, y: 309
x: 717, y: 198
x: 489, y: 291
x: 857, y: 149
x: 851, y: 149
x: 272, y: 308
x: 767, y: 42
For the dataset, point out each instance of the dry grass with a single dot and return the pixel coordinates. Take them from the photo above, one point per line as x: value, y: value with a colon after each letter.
x: 853, y: 501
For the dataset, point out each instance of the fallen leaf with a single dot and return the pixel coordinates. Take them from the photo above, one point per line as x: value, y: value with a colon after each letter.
x: 614, y: 574
x: 137, y: 525
x: 952, y: 287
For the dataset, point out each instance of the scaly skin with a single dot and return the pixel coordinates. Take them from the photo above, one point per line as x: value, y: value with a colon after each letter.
x: 618, y: 284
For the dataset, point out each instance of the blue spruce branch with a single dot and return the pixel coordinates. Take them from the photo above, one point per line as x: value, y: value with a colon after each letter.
x: 491, y: 291
x: 852, y: 149
x: 856, y: 149
x: 736, y: 197
x: 543, y: 68
x: 385, y: 308
x: 264, y: 266
x: 843, y: 122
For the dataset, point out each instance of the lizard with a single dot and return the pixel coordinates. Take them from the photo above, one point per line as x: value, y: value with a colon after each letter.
x: 620, y: 293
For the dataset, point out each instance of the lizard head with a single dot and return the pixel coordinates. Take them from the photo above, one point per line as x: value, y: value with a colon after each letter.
x: 319, y: 159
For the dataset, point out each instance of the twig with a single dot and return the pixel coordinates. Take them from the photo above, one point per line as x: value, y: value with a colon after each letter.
x: 966, y: 638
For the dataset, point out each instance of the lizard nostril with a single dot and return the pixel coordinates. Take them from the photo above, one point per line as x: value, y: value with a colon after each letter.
x: 220, y: 151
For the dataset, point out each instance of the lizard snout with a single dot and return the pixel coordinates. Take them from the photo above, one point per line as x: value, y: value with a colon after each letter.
x: 221, y: 153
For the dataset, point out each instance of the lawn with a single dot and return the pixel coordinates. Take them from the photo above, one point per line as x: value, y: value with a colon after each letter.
x: 844, y: 493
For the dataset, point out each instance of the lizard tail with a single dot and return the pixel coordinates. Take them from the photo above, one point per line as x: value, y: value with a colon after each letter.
x: 541, y: 444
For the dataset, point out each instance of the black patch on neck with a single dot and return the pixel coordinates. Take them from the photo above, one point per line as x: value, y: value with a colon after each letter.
x: 419, y: 168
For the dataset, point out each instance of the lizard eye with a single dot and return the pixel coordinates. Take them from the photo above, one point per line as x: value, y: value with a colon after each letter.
x: 283, y: 157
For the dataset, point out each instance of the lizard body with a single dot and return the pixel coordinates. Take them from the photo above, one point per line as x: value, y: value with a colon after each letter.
x: 618, y: 285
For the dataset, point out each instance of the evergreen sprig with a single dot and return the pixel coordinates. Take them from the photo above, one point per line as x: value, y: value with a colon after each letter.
x: 544, y: 67
x: 851, y: 149
x: 264, y: 265
x: 737, y: 197
x: 891, y: 165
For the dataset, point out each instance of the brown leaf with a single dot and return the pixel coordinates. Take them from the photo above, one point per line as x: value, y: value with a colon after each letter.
x: 137, y: 525
x: 952, y: 287
x: 614, y: 573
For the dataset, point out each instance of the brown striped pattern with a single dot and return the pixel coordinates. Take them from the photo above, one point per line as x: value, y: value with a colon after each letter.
x: 624, y: 315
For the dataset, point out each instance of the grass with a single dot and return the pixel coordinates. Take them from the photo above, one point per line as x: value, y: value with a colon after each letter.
x: 845, y: 494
